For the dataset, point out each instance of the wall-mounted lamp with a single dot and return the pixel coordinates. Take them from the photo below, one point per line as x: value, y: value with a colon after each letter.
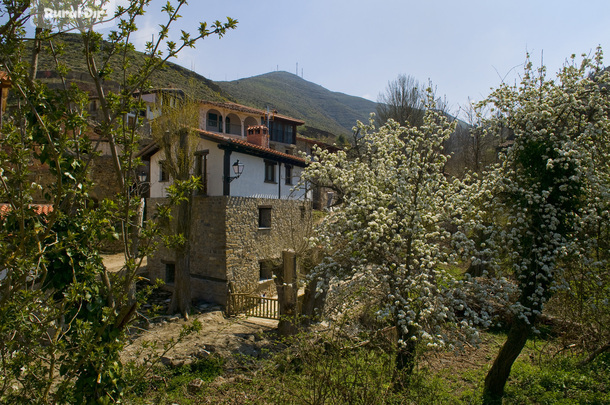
x: 238, y: 169
x: 142, y: 177
x: 140, y: 186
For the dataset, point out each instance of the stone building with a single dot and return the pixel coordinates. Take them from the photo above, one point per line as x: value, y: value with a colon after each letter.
x: 241, y: 221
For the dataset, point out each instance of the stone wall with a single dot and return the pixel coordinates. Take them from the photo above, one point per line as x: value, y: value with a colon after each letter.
x: 248, y: 245
x: 105, y: 183
x: 209, y: 249
x: 227, y: 244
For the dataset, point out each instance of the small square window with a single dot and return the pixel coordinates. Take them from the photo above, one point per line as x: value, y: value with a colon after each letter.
x: 170, y: 273
x: 265, y: 270
x: 270, y: 172
x: 264, y: 217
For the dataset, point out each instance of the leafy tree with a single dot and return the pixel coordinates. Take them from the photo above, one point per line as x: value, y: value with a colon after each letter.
x: 387, y: 227
x: 551, y: 184
x: 62, y: 314
x: 173, y: 132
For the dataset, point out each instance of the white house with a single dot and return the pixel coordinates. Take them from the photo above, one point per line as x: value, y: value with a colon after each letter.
x: 241, y: 222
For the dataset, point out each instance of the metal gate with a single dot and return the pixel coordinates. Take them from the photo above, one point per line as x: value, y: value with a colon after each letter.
x: 252, y: 305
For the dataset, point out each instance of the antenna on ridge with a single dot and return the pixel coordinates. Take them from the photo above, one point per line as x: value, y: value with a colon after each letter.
x: 297, y: 68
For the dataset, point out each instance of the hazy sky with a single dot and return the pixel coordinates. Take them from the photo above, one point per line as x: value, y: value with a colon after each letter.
x: 355, y: 46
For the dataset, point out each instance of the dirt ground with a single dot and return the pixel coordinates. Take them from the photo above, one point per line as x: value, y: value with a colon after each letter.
x: 226, y: 337
x: 218, y: 335
x: 114, y: 262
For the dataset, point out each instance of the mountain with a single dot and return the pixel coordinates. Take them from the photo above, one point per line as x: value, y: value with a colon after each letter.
x: 170, y: 75
x: 327, y: 114
x: 324, y: 112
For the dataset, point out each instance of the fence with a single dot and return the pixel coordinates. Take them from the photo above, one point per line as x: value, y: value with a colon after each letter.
x: 252, y: 305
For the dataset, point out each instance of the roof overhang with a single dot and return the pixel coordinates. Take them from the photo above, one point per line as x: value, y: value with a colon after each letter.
x: 242, y: 146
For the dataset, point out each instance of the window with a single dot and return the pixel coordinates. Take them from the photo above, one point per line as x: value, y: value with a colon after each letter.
x: 170, y: 273
x: 288, y: 175
x: 265, y: 270
x: 288, y: 135
x: 329, y: 199
x: 264, y: 217
x: 277, y: 133
x: 163, y: 174
x: 270, y: 171
x: 213, y: 122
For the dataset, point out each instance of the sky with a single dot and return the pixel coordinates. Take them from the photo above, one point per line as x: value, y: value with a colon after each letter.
x: 356, y: 47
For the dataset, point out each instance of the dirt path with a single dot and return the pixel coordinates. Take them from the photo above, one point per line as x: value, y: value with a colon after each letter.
x: 218, y: 335
x: 114, y: 262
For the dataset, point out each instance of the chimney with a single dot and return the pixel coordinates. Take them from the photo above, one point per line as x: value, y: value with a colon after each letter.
x: 258, y: 135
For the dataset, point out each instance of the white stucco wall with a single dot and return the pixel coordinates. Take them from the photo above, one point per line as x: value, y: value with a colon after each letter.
x: 157, y: 187
x: 250, y: 184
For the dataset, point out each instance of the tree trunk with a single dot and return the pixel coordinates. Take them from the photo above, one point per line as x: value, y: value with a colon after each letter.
x: 406, y: 351
x: 313, y: 303
x: 287, y: 292
x: 36, y: 50
x: 181, y: 298
x: 500, y: 370
x: 405, y: 356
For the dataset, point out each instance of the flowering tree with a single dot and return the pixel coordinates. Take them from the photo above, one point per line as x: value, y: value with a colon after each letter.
x: 392, y: 200
x: 552, y: 182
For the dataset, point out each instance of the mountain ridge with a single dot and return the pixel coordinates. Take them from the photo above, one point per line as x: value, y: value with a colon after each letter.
x: 327, y: 114
x: 323, y: 110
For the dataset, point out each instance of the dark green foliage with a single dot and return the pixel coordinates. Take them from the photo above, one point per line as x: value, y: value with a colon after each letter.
x: 63, y: 316
x: 170, y: 382
x: 169, y: 75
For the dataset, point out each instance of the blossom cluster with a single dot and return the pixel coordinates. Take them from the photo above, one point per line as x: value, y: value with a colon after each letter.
x: 390, y: 226
x: 529, y: 211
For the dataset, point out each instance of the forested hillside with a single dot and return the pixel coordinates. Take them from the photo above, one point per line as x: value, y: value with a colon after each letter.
x: 327, y: 114
x: 321, y: 109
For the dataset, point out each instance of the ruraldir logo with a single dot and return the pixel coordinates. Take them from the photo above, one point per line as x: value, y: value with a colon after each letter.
x: 64, y: 15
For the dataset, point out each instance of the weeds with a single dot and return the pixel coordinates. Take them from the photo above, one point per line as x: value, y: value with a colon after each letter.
x: 330, y: 368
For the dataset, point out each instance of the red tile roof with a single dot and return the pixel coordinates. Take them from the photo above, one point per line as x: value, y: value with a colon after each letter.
x: 240, y: 142
x: 5, y: 81
x: 41, y: 209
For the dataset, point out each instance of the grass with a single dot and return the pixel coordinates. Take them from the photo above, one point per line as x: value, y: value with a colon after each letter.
x: 171, y: 383
x: 311, y: 370
x: 560, y: 380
